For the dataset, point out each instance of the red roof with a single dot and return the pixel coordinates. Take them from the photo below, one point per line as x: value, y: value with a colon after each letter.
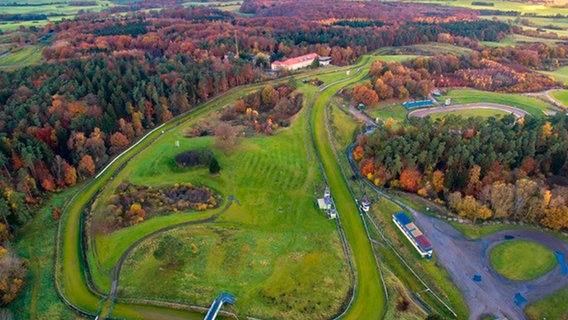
x: 423, y: 242
x: 296, y: 60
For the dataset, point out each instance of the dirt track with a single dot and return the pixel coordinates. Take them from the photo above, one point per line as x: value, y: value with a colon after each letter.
x: 421, y: 113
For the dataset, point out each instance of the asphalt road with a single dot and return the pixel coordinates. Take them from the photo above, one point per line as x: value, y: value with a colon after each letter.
x: 421, y: 113
x: 494, y: 294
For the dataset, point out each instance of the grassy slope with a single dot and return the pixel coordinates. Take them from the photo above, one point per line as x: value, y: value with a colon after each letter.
x: 530, y: 104
x: 560, y: 74
x: 29, y: 55
x: 522, y: 260
x: 368, y: 281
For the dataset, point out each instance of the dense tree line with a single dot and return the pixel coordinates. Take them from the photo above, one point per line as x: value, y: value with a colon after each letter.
x: 501, y: 168
x: 499, y: 69
x: 109, y: 78
x: 61, y: 122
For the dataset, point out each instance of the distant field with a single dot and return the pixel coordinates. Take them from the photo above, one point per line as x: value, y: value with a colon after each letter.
x: 503, y: 6
x: 533, y: 105
x: 516, y: 39
x: 29, y: 55
x: 54, y: 10
x: 560, y: 74
x: 435, y: 48
x: 430, y: 48
x: 542, y: 23
x: 561, y: 96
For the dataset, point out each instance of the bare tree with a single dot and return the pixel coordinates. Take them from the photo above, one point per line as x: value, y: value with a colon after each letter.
x: 225, y: 137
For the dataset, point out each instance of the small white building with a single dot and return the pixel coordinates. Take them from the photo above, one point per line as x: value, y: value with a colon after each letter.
x: 324, y: 204
x: 324, y: 61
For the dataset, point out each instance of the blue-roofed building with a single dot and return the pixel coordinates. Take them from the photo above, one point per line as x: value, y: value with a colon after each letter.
x: 413, y: 234
x: 417, y: 104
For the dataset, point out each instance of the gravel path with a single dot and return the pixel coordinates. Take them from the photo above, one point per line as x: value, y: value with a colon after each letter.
x: 494, y: 294
x: 421, y: 113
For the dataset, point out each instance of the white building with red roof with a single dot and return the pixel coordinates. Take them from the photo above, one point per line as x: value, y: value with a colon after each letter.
x: 294, y: 63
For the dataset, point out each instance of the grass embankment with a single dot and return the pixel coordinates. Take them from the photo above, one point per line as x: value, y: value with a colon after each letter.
x: 369, y: 298
x: 36, y: 242
x: 275, y: 251
x: 533, y: 105
x: 522, y: 260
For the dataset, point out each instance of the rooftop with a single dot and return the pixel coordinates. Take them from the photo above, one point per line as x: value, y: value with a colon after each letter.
x: 296, y: 60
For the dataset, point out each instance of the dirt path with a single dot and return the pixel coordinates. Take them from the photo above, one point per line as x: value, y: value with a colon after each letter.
x: 421, y: 113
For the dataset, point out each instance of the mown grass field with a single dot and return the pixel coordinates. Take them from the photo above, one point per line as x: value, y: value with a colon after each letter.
x: 561, y: 96
x: 484, y: 113
x: 276, y: 252
x: 522, y: 260
x: 533, y: 105
x: 397, y: 112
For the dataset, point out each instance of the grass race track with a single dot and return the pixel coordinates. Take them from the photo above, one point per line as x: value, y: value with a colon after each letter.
x: 522, y: 260
x: 369, y: 297
x: 71, y: 273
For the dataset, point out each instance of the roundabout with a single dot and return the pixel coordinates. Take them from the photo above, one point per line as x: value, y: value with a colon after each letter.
x: 522, y: 260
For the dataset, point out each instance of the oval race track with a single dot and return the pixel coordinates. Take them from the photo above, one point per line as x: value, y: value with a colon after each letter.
x: 421, y: 113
